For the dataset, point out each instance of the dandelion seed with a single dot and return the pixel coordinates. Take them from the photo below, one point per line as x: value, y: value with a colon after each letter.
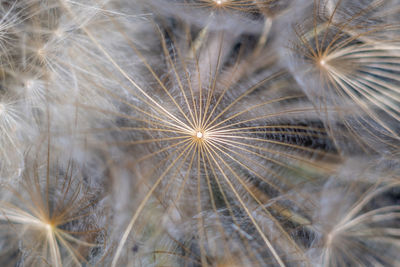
x: 56, y: 214
x: 215, y: 153
x: 210, y: 140
x: 355, y: 220
x: 358, y: 88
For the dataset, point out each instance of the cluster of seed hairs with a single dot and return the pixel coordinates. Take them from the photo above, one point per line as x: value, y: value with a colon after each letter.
x: 199, y: 133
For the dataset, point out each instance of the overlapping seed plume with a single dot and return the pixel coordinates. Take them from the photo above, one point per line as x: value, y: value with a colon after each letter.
x: 199, y: 133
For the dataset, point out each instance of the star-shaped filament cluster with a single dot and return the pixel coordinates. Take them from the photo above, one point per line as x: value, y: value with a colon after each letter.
x: 47, y: 216
x: 338, y: 50
x: 206, y: 137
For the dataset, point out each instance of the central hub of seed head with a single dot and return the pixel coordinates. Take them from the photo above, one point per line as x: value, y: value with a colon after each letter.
x: 199, y: 135
x: 219, y: 2
x: 48, y: 226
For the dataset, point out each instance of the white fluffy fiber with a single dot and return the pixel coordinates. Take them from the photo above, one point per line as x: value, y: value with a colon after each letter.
x: 199, y: 133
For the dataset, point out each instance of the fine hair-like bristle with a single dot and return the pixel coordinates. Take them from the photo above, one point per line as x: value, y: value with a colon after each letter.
x: 199, y: 133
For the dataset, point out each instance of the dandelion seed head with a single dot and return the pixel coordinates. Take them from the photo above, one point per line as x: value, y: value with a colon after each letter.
x: 59, y: 217
x: 342, y: 72
x: 221, y: 150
